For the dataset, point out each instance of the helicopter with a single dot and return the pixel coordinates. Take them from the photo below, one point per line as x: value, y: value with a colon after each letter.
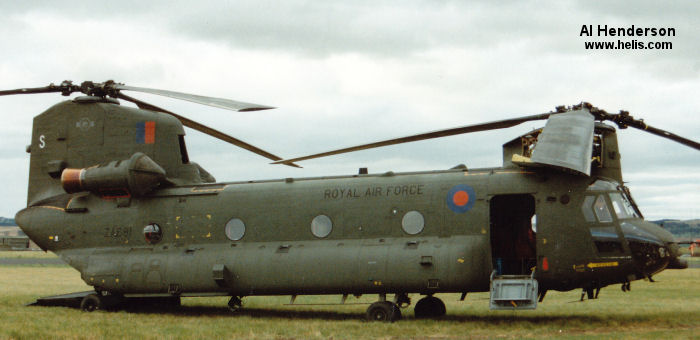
x: 113, y: 192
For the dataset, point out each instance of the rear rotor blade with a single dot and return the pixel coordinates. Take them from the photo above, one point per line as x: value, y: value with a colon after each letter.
x: 66, y: 88
x: 205, y: 129
x: 45, y: 89
x: 211, y: 101
x: 500, y: 124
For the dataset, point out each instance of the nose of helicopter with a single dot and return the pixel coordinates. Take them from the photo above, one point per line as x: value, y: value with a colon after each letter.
x: 653, y: 248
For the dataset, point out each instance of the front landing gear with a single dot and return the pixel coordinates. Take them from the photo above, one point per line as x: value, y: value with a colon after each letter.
x: 429, y: 307
x: 235, y: 304
x: 383, y: 311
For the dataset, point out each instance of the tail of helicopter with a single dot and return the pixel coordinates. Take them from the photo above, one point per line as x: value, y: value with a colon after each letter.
x: 93, y: 144
x: 94, y: 130
x: 92, y: 135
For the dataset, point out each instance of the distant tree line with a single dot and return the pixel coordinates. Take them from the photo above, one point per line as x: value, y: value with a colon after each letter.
x: 4, y: 221
x: 681, y: 229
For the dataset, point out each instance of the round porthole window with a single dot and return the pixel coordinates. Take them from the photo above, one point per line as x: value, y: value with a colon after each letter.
x: 321, y: 226
x: 413, y: 222
x: 235, y: 229
x: 152, y: 233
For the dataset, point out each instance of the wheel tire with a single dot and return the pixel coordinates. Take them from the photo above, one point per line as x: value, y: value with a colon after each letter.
x: 429, y: 307
x: 91, y: 303
x: 383, y: 311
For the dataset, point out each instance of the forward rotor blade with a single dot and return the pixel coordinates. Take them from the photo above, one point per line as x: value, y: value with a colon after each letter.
x: 205, y: 129
x: 211, y: 101
x: 500, y: 124
x: 669, y: 135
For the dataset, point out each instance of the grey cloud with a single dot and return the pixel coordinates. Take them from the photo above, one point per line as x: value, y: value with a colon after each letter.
x: 400, y: 29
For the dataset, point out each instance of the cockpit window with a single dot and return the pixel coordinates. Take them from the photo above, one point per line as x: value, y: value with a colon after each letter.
x: 601, y: 210
x: 587, y: 208
x: 620, y: 206
x: 622, y: 203
x: 629, y: 202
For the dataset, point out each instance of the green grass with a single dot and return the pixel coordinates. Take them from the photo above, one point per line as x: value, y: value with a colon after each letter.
x: 29, y: 254
x: 668, y: 308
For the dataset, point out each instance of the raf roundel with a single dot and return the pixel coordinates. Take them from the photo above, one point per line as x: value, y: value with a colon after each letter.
x: 461, y: 198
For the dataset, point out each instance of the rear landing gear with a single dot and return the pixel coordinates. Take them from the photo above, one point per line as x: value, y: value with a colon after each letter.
x: 100, y: 301
x: 383, y: 311
x: 429, y: 307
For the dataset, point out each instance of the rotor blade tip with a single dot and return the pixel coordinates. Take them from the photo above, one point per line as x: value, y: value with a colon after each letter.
x: 286, y: 162
x: 260, y: 108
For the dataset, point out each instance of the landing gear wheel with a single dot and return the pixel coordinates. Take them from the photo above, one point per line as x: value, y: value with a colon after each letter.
x: 383, y: 311
x: 429, y: 307
x: 235, y: 304
x: 91, y: 303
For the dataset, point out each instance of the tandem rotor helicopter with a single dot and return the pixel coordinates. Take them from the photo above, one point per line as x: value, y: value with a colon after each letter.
x: 113, y: 192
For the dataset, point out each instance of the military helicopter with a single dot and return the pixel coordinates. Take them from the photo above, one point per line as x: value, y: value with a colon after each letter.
x: 113, y: 192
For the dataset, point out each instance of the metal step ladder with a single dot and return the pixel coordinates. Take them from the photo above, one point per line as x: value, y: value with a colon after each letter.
x: 513, y: 292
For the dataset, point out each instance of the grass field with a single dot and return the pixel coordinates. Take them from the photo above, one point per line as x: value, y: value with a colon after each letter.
x: 668, y: 308
x: 26, y: 255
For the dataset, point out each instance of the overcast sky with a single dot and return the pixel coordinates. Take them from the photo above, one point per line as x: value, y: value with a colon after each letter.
x: 350, y: 72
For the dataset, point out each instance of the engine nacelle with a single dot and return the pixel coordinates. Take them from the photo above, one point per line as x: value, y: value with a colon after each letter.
x: 135, y: 176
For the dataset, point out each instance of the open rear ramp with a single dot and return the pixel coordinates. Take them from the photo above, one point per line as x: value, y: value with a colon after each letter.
x: 66, y: 300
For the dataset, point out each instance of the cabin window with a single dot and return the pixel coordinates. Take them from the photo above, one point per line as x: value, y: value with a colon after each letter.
x: 321, y: 226
x: 587, y: 208
x: 601, y: 210
x: 235, y: 229
x: 413, y: 222
x: 152, y: 233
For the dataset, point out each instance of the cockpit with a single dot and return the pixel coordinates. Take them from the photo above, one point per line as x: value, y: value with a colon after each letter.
x: 595, y: 206
x: 617, y: 228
